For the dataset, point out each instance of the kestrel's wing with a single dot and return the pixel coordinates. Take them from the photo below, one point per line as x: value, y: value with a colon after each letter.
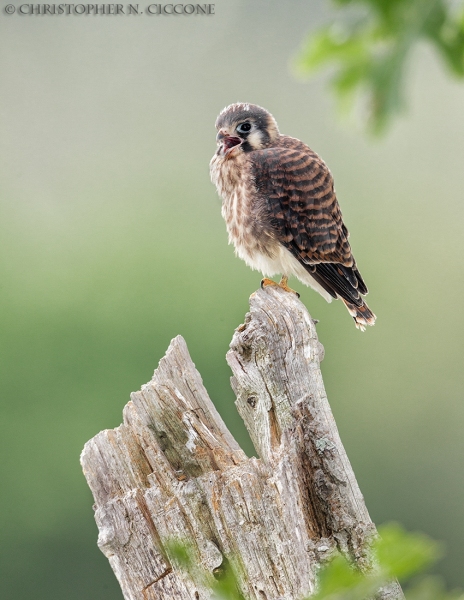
x: 298, y: 188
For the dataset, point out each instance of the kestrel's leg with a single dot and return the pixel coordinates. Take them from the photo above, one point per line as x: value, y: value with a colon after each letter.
x: 282, y: 283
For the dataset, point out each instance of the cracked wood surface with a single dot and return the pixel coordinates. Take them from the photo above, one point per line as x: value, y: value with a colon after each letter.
x: 173, y: 470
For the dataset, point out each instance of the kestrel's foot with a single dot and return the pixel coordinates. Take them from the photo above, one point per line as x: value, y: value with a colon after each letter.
x: 265, y: 282
x: 282, y: 284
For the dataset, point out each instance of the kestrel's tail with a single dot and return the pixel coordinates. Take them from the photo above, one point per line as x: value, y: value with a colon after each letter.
x: 362, y: 314
x: 347, y: 284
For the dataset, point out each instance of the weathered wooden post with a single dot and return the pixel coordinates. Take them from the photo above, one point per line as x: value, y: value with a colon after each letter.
x: 172, y: 469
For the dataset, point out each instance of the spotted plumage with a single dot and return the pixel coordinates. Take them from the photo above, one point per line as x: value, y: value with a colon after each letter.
x: 280, y: 208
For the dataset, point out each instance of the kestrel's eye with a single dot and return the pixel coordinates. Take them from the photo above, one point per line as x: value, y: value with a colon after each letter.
x: 244, y: 127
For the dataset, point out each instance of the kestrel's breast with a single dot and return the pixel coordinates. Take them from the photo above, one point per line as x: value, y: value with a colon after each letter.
x: 243, y: 210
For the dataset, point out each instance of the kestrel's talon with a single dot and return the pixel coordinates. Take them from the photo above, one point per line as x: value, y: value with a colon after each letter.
x: 265, y: 282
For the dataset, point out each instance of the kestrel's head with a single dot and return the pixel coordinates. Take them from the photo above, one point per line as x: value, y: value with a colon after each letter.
x: 245, y: 127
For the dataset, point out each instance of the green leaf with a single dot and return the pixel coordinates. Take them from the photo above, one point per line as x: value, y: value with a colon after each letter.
x: 367, y: 56
x: 180, y: 552
x: 402, y: 554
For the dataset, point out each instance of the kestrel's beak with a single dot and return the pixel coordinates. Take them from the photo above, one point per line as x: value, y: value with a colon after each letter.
x: 228, y: 141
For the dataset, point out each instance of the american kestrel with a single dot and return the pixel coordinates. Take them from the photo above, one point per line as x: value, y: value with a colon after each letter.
x: 280, y: 208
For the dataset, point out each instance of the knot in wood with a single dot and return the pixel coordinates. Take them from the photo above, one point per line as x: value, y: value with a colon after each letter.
x: 252, y: 400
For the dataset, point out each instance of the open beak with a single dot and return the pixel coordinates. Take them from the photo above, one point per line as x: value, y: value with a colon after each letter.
x: 228, y: 141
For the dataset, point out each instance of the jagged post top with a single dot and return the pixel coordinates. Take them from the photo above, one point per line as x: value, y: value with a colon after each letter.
x: 275, y: 357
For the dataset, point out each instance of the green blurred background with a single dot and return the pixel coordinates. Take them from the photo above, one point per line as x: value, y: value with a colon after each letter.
x: 112, y: 243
